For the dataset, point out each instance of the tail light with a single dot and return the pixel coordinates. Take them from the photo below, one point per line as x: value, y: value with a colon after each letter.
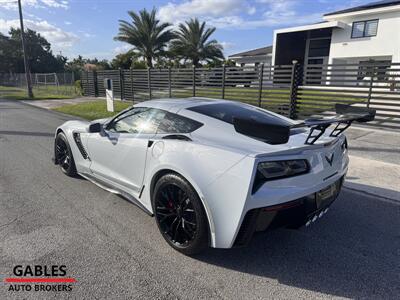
x: 273, y: 170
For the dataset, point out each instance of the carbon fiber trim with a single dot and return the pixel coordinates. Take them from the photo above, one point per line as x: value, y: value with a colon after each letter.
x: 77, y: 139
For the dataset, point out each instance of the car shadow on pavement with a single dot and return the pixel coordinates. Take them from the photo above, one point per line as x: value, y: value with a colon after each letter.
x: 353, y: 251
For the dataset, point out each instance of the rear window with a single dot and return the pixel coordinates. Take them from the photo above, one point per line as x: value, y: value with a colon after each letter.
x: 173, y: 123
x: 226, y: 112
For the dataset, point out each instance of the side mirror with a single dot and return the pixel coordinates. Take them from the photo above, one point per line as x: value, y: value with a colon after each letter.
x: 95, y: 127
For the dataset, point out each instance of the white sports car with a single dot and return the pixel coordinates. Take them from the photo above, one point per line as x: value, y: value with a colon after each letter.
x: 213, y: 172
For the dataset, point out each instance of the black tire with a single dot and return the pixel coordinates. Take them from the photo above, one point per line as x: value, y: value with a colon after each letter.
x: 63, y: 155
x: 180, y: 215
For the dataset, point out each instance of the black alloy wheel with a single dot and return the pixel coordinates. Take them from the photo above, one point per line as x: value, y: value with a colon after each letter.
x: 63, y: 155
x: 180, y: 215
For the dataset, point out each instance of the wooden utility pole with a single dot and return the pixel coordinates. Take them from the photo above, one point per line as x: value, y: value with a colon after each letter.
x: 26, y: 62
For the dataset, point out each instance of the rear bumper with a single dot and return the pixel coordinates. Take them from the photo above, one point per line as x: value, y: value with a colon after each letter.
x: 292, y: 214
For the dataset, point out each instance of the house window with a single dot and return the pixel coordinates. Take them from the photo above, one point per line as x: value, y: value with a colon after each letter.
x: 364, y: 29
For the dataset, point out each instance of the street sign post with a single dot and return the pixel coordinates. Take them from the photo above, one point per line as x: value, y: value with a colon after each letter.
x: 109, y: 94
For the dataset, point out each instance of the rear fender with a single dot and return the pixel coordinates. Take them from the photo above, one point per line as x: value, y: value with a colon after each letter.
x: 200, y: 165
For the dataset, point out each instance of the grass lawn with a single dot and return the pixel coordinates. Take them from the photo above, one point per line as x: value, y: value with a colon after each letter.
x: 309, y: 101
x: 92, y: 110
x: 274, y: 99
x: 40, y: 93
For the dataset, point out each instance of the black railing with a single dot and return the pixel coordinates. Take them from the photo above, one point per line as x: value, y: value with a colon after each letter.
x: 296, y: 91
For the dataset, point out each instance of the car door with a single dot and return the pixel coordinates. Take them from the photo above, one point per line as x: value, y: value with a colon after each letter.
x: 118, y: 153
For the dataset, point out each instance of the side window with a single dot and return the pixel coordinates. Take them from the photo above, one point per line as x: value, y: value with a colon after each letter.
x: 138, y: 120
x: 173, y: 123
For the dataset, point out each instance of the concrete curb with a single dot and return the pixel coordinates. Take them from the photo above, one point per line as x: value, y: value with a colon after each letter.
x: 349, y: 187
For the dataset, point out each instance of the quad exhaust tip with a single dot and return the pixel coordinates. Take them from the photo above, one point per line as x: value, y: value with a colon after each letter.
x: 317, y: 216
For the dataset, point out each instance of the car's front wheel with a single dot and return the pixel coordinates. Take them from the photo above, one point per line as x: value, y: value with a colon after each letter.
x: 180, y: 215
x: 63, y: 155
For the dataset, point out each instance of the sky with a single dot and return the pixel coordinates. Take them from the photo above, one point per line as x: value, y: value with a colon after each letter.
x: 87, y: 27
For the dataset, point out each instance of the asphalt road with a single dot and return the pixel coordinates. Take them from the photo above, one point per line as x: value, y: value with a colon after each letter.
x: 114, y: 249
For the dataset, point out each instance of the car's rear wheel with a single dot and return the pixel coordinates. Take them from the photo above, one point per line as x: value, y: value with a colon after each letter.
x: 180, y: 215
x: 63, y: 155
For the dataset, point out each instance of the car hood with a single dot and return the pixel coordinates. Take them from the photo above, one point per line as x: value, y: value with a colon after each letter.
x: 103, y: 121
x: 76, y: 125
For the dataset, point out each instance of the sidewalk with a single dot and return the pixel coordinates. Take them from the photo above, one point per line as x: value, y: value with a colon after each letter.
x: 375, y: 144
x: 374, y: 162
x: 374, y: 177
x: 53, y: 103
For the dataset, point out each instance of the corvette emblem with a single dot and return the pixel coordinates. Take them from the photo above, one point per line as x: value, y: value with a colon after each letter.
x: 329, y: 159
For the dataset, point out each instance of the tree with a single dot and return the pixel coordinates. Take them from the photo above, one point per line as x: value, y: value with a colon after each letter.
x: 76, y: 66
x: 80, y: 64
x: 100, y: 64
x: 6, y: 53
x: 40, y: 55
x: 192, y: 42
x: 219, y: 63
x: 124, y: 60
x: 139, y: 64
x: 146, y: 33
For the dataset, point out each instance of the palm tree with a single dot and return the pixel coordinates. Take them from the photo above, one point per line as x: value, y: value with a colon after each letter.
x: 145, y: 32
x: 192, y: 42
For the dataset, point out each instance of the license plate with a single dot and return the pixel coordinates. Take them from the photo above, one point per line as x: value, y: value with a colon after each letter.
x: 328, y: 194
x: 324, y: 199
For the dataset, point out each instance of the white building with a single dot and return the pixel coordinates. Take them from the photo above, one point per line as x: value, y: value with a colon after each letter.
x: 253, y: 58
x: 360, y: 34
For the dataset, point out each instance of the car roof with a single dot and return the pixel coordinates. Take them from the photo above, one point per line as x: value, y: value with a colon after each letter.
x: 177, y: 104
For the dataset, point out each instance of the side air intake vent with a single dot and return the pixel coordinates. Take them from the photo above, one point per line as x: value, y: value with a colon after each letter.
x: 77, y: 138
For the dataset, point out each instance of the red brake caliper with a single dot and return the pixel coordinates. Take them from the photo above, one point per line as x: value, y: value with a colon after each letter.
x: 170, y: 204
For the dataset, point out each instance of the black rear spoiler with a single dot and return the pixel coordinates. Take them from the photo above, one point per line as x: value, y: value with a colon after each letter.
x: 279, y: 134
x: 345, y: 116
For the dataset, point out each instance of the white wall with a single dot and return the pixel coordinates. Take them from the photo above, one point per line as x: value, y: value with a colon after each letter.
x: 385, y: 43
x: 250, y: 61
